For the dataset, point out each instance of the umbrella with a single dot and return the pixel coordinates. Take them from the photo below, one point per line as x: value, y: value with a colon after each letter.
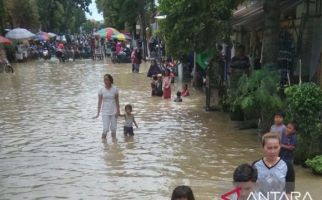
x: 121, y: 36
x: 41, y: 36
x: 52, y: 34
x: 61, y: 38
x: 107, y: 32
x: 4, y: 40
x: 19, y: 34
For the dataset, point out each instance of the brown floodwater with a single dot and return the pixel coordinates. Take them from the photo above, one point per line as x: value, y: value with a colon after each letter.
x: 50, y: 147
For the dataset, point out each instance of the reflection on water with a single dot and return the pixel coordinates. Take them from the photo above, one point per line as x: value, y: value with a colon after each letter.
x: 50, y: 147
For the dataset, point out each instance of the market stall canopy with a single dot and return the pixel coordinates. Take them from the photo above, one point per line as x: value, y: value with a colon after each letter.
x: 4, y: 40
x: 19, y: 34
x: 107, y: 32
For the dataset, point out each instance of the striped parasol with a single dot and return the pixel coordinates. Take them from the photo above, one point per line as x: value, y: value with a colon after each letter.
x: 107, y: 32
x: 121, y: 37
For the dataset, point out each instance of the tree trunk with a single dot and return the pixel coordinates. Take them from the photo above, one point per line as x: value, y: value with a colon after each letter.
x: 271, y: 32
x: 2, y: 17
x: 143, y: 32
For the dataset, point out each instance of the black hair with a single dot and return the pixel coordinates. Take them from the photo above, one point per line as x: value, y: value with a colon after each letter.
x: 109, y: 77
x: 245, y: 173
x: 182, y: 192
x: 186, y: 85
x: 294, y: 124
x: 179, y: 94
x: 279, y: 113
x: 128, y: 106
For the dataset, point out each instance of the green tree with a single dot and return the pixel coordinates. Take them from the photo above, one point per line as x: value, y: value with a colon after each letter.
x: 111, y: 10
x: 53, y: 14
x: 304, y: 104
x: 89, y: 25
x: 22, y: 13
x: 72, y: 8
x: 194, y: 25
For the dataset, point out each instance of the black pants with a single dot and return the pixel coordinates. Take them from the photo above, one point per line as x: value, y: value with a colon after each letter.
x: 128, y: 131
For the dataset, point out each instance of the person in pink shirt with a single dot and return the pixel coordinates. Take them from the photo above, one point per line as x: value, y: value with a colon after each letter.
x: 118, y: 48
x: 185, y: 91
x: 166, y: 85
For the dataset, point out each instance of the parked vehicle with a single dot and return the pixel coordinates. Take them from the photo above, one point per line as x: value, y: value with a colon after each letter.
x: 124, y: 56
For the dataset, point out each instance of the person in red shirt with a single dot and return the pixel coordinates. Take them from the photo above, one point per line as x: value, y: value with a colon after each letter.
x: 185, y: 91
x: 61, y: 46
x: 60, y: 52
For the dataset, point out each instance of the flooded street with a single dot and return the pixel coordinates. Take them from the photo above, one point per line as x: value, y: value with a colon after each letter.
x: 50, y: 147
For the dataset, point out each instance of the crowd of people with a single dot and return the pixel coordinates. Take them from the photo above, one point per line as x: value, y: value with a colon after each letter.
x: 73, y: 47
x: 272, y: 175
x: 163, y: 76
x: 68, y: 47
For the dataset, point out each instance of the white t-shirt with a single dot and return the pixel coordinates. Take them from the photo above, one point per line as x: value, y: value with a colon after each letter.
x: 108, y: 101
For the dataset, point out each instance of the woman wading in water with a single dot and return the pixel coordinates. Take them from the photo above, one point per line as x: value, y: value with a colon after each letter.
x: 108, y: 105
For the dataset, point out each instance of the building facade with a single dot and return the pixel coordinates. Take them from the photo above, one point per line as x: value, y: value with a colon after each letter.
x: 300, y: 34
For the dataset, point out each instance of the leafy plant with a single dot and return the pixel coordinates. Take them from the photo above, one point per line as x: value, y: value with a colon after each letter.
x: 193, y: 25
x: 315, y: 164
x: 258, y: 94
x: 304, y: 103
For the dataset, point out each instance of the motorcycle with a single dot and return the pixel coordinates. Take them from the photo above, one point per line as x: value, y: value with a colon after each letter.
x: 123, y: 56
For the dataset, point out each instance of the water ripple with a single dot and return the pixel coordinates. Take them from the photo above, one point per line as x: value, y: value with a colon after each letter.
x: 50, y: 146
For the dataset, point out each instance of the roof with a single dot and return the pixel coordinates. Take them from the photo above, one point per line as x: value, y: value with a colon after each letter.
x: 252, y: 14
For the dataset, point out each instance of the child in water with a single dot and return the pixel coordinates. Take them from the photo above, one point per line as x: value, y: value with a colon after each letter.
x: 129, y: 121
x: 178, y: 98
x: 185, y: 91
